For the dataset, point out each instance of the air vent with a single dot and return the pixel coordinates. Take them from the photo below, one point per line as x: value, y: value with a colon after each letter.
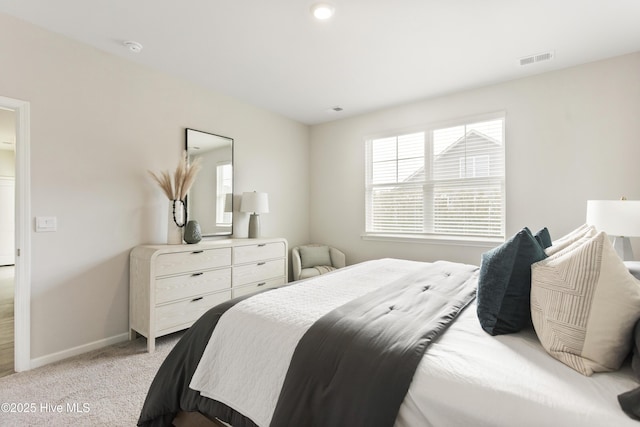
x: 533, y: 59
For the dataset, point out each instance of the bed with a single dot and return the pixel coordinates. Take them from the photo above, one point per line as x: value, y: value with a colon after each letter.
x: 242, y: 362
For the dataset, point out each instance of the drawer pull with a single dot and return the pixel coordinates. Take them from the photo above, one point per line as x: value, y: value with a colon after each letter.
x: 197, y: 299
x: 197, y: 274
x: 262, y: 283
x: 261, y: 245
x: 261, y: 263
x: 197, y: 252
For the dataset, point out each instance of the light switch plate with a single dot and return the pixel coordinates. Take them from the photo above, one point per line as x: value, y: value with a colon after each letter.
x: 46, y: 224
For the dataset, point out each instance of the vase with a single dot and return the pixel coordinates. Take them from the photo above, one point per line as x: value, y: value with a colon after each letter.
x: 192, y: 232
x: 175, y: 222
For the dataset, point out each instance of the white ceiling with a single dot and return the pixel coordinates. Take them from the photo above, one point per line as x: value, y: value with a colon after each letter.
x: 372, y: 54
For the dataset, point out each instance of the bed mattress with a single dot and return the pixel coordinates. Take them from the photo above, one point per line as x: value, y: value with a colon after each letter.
x: 468, y: 377
x: 465, y: 378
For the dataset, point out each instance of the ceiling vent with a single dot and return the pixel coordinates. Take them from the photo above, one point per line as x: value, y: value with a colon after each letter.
x: 533, y: 59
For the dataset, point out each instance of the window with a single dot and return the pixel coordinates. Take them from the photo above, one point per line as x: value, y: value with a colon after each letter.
x: 224, y: 179
x: 473, y: 167
x: 445, y: 181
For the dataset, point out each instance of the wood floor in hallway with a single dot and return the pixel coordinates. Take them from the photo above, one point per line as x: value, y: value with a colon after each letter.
x: 6, y: 320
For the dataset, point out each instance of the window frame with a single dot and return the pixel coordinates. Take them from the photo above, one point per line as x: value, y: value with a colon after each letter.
x: 428, y: 237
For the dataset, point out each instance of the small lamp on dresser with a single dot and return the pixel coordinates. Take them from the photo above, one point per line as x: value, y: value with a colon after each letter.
x: 618, y: 218
x: 256, y: 203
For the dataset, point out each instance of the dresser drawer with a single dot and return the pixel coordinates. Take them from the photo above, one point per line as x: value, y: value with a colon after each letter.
x: 193, y: 284
x: 171, y: 286
x: 258, y: 252
x: 258, y: 272
x: 196, y: 260
x: 184, y: 313
x: 247, y: 289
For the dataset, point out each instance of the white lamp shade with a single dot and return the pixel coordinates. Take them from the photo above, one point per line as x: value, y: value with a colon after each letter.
x: 615, y: 217
x: 255, y: 202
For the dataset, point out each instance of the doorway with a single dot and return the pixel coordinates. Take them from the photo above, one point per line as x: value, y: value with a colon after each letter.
x: 7, y: 240
x: 18, y: 274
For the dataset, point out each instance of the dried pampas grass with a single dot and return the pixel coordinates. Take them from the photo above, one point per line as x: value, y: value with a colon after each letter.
x: 183, y: 178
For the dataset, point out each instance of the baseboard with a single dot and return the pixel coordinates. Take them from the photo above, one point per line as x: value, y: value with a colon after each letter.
x: 65, y: 354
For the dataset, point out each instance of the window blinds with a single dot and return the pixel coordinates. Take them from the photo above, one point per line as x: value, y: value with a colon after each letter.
x: 447, y: 181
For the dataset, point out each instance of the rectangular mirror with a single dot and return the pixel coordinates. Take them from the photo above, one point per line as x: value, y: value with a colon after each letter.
x: 210, y: 199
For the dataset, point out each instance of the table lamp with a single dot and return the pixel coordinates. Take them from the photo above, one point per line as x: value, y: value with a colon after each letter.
x: 618, y: 218
x: 256, y: 203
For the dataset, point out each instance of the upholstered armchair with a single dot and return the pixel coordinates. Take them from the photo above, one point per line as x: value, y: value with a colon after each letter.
x: 314, y: 259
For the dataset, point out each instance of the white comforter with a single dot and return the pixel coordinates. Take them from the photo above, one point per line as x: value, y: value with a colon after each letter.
x: 470, y: 378
x: 254, y: 341
x: 467, y: 377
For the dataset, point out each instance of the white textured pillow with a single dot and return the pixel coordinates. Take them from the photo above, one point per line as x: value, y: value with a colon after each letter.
x: 570, y: 238
x: 584, y: 304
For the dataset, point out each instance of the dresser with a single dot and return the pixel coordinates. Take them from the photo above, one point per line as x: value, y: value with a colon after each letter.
x: 171, y: 286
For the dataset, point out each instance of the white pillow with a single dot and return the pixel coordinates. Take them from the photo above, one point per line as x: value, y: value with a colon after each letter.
x: 570, y: 238
x: 584, y: 305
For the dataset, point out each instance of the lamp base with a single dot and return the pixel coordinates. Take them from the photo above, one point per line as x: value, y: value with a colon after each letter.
x: 622, y: 245
x: 254, y: 226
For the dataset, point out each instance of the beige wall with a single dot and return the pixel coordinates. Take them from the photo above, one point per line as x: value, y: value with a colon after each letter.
x: 98, y: 123
x: 7, y: 163
x: 571, y: 135
x: 7, y: 134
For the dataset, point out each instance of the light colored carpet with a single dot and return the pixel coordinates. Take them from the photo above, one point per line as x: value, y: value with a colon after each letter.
x: 105, y: 387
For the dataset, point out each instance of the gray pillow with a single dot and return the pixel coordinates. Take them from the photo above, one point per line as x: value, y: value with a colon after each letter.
x: 635, y: 358
x: 543, y: 237
x: 311, y: 256
x: 504, y: 284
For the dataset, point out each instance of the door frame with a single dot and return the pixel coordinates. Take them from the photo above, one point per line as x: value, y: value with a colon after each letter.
x: 22, y: 282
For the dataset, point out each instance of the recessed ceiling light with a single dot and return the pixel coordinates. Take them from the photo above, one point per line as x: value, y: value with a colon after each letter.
x: 336, y: 109
x: 322, y: 10
x: 134, y: 47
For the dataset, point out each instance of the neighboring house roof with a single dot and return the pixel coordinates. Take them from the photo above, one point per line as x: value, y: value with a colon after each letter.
x: 470, y: 134
x: 418, y: 175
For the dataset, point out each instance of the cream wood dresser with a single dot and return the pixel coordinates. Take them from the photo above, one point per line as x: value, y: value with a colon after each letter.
x: 171, y: 286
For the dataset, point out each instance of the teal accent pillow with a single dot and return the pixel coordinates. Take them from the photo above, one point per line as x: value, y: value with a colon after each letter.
x: 504, y: 284
x: 311, y: 256
x: 544, y: 238
x: 635, y: 358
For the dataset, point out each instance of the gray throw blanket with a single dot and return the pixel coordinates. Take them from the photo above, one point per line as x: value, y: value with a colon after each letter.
x: 354, y: 366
